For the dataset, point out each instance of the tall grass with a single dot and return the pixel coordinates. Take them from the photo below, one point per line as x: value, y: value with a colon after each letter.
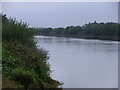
x: 14, y: 30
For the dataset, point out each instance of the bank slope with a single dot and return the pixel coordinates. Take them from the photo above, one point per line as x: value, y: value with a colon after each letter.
x: 23, y: 65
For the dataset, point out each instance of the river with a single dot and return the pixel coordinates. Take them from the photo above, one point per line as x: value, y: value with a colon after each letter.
x: 82, y: 63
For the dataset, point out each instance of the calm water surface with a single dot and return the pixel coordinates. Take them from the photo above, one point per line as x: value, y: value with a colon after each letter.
x: 82, y: 63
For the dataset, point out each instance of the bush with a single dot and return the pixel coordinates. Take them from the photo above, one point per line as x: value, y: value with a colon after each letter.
x: 24, y: 77
x: 8, y: 83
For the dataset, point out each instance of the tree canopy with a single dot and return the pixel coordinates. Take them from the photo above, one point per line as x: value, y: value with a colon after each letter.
x: 95, y: 30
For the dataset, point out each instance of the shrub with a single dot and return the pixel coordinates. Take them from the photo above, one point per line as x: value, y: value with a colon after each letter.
x: 24, y: 77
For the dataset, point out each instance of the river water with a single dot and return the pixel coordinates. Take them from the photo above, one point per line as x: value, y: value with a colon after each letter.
x: 82, y: 63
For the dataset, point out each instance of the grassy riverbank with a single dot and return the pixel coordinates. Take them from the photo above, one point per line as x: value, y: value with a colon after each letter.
x: 24, y: 66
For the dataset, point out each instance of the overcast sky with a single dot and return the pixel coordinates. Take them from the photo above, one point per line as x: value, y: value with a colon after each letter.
x: 61, y: 14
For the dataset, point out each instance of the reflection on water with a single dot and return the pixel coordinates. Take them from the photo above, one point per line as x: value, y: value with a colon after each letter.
x: 82, y: 63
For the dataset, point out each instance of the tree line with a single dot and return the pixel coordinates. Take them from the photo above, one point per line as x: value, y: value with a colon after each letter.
x: 109, y: 31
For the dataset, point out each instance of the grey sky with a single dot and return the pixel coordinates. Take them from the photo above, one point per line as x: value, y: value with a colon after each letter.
x: 61, y: 14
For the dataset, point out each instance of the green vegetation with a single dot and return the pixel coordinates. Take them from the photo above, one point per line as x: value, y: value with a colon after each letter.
x: 24, y: 66
x: 106, y: 31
